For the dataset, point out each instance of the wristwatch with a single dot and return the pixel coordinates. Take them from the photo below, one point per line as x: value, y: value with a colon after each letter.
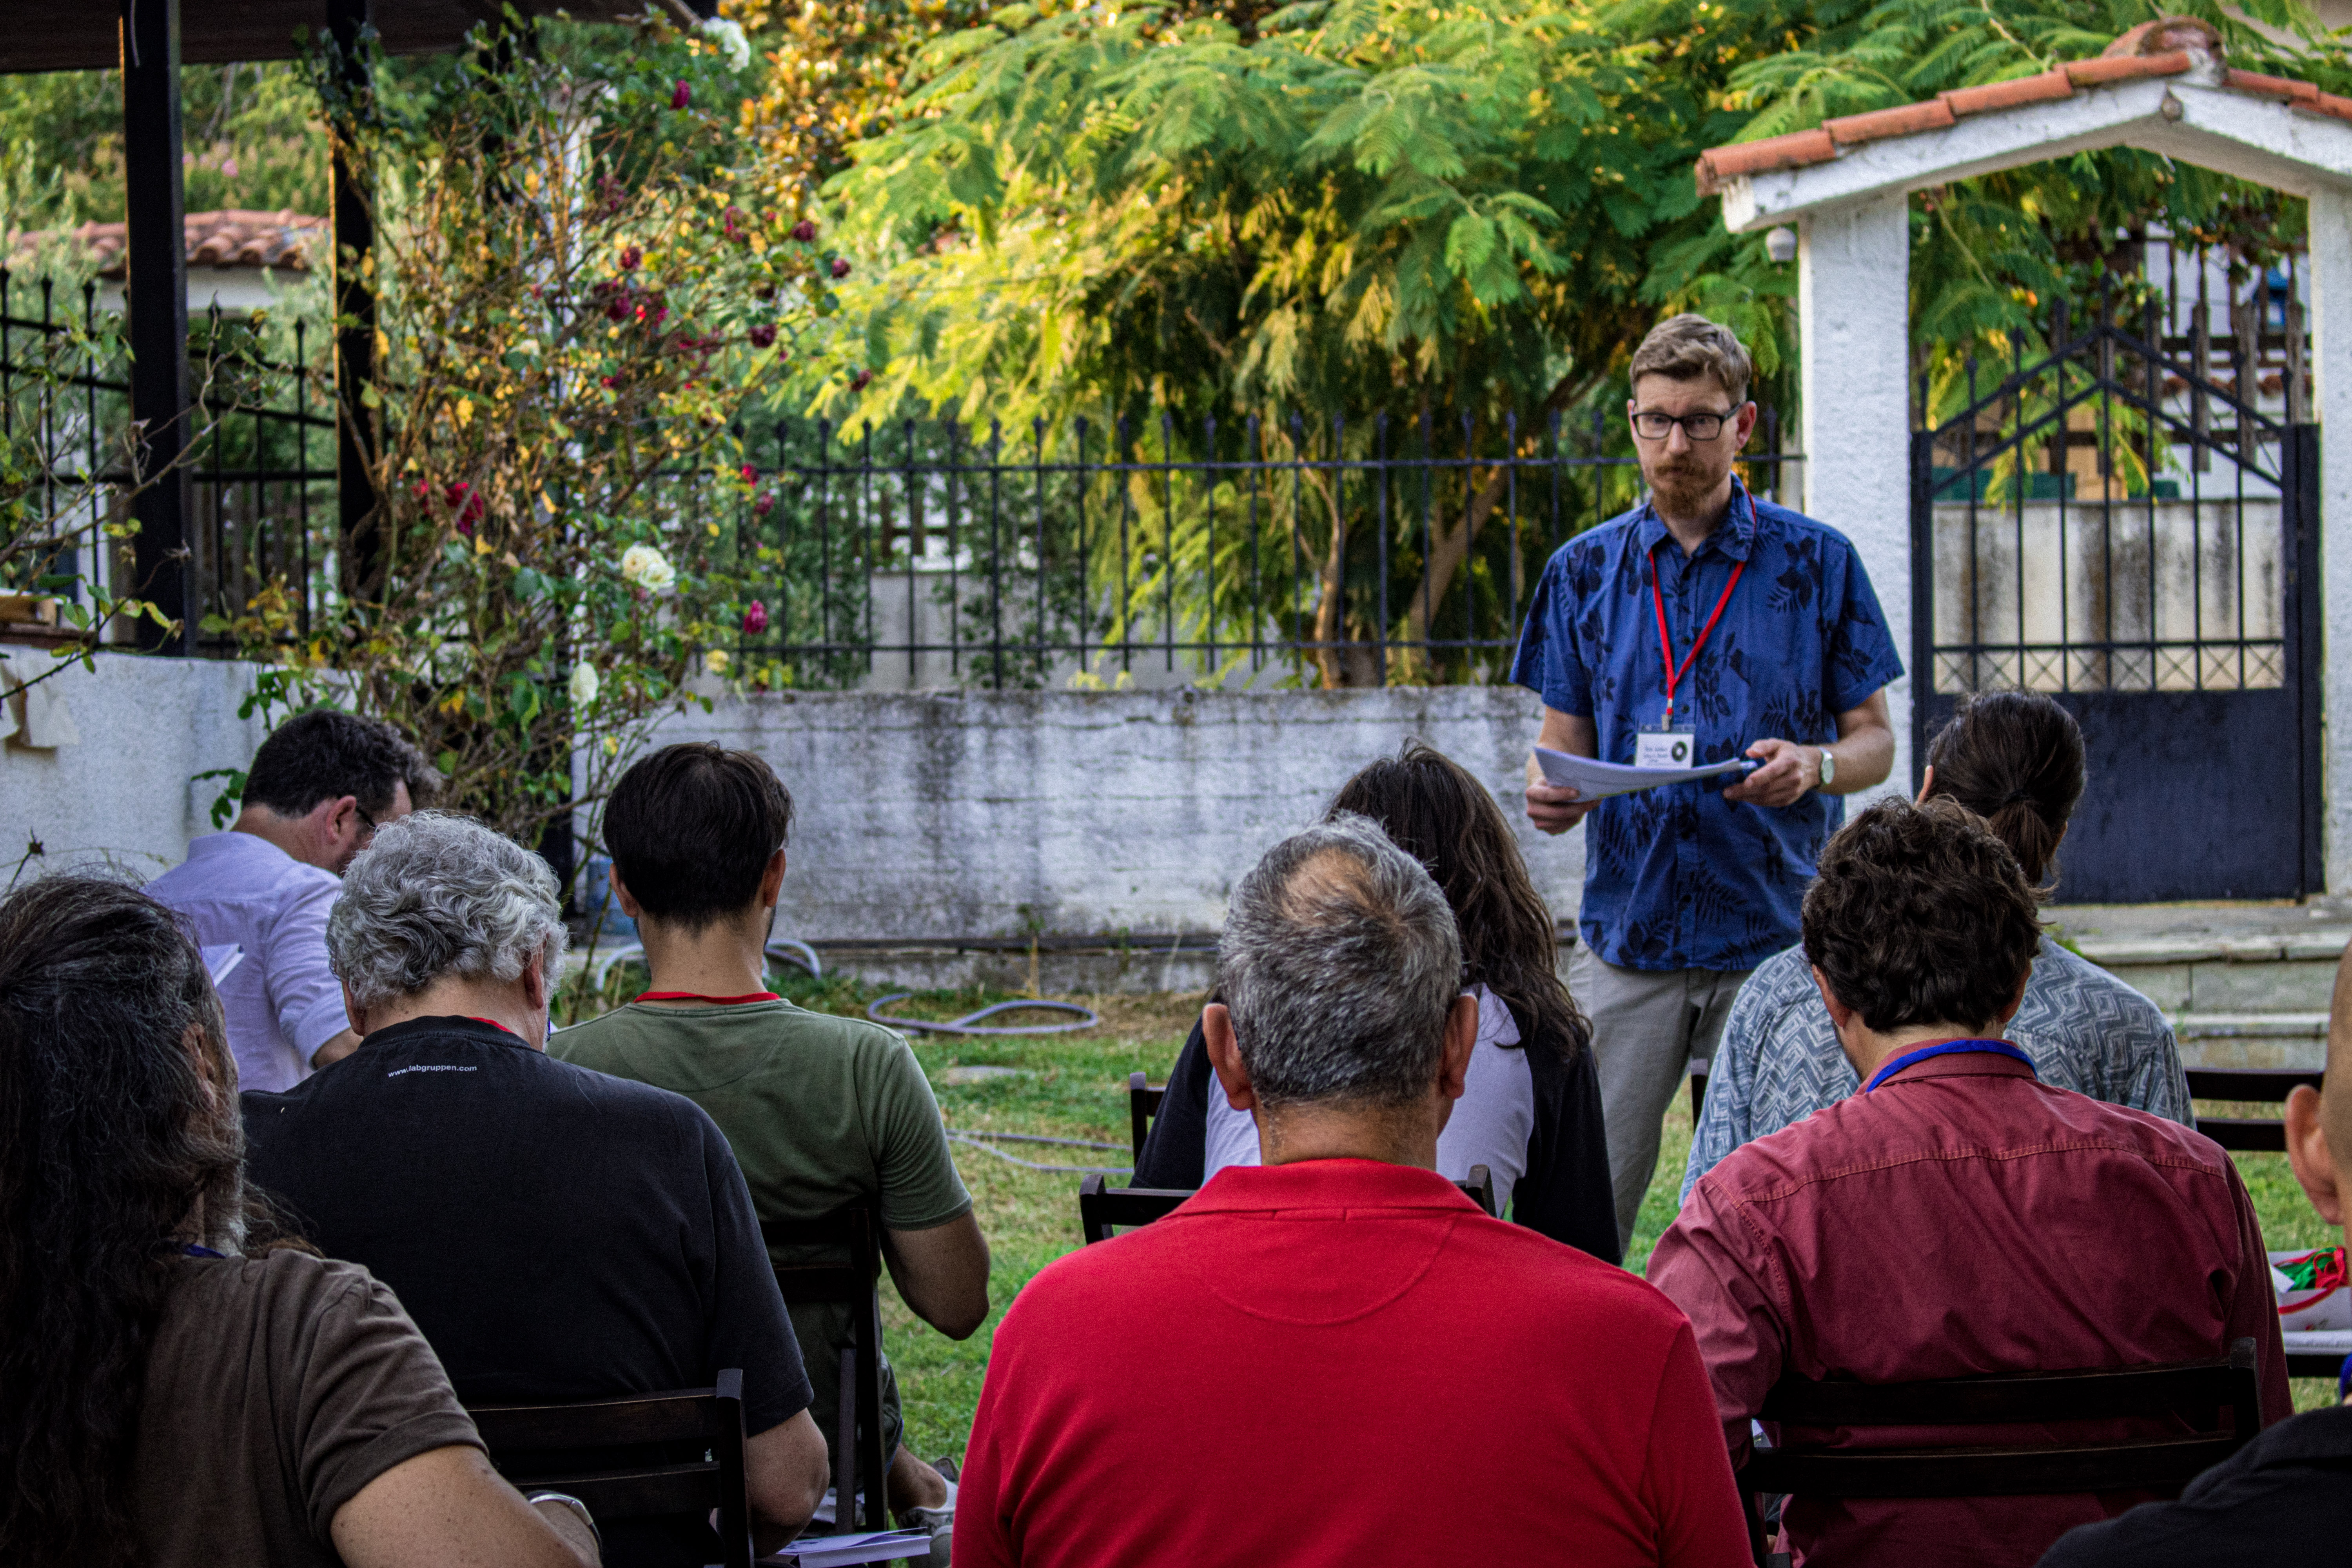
x: 579, y: 1509
x: 1829, y: 767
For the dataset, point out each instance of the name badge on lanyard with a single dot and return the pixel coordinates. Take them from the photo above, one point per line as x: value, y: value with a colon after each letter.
x: 1668, y: 744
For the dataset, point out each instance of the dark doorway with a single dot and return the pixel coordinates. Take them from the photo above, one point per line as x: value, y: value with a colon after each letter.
x: 2129, y: 520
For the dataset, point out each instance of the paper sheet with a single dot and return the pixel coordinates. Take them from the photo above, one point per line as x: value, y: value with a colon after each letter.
x: 1594, y: 780
x: 866, y: 1546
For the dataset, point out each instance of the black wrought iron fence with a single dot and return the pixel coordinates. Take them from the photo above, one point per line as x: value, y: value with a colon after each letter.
x: 261, y: 459
x: 1326, y: 552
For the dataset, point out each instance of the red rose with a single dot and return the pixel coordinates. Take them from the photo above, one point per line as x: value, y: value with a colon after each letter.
x: 755, y: 619
x: 616, y: 308
x: 751, y: 474
x: 841, y: 267
x: 681, y: 95
x: 630, y: 257
x: 864, y: 377
x: 762, y: 335
x: 762, y: 505
x: 804, y: 231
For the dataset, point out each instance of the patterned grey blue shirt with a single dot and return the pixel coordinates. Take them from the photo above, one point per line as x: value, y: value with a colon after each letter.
x: 1779, y: 1060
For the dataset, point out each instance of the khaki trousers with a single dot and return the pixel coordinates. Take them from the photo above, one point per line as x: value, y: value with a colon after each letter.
x: 1646, y: 1026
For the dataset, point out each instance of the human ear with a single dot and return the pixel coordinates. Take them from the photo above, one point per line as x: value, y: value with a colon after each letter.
x: 1225, y: 1056
x: 1461, y: 1040
x: 772, y: 880
x: 2307, y: 1153
x: 621, y: 894
x: 1926, y: 785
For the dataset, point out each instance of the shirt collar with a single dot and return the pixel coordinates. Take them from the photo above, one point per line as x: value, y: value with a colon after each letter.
x: 1326, y: 1185
x: 1735, y: 536
x: 229, y: 842
x: 452, y: 1025
x: 1957, y: 1064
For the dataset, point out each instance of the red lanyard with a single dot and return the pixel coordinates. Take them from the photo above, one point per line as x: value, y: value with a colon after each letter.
x: 1665, y: 644
x: 697, y: 996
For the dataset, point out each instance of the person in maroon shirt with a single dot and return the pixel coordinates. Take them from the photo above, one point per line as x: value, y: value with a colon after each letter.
x: 1335, y: 1358
x: 1957, y: 1216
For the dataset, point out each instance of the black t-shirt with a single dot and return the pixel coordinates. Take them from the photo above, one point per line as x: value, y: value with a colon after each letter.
x: 2284, y: 1499
x: 555, y: 1233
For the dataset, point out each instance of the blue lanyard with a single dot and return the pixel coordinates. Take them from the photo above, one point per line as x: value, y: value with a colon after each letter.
x: 193, y: 1251
x: 1945, y: 1049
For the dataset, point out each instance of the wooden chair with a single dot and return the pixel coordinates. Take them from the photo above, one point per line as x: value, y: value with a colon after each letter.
x: 2270, y: 1086
x: 857, y: 1458
x: 1103, y: 1208
x: 555, y: 1447
x: 2199, y: 1391
x: 1142, y: 1108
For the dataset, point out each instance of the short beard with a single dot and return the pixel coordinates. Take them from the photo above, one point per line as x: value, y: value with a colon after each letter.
x: 1682, y: 492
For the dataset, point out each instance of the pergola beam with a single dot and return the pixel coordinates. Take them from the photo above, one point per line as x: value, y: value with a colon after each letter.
x: 157, y: 308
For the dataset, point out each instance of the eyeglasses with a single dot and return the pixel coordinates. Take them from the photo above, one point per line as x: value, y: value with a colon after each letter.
x: 372, y: 824
x: 1651, y: 425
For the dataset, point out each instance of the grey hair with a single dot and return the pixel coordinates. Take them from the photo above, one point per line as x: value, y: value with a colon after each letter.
x: 438, y: 894
x: 1339, y: 963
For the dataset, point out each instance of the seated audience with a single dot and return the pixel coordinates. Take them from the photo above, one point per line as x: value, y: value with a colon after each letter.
x: 822, y: 1112
x: 1333, y: 1357
x: 2014, y: 758
x: 2287, y: 1498
x: 176, y: 1390
x: 318, y: 790
x: 1958, y: 1216
x: 1532, y: 1112
x: 556, y: 1234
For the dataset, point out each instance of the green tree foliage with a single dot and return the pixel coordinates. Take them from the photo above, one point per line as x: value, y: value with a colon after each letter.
x: 1356, y: 205
x: 252, y: 136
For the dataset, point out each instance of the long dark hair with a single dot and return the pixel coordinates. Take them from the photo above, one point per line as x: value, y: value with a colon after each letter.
x: 2014, y: 758
x: 1440, y: 815
x: 118, y: 1123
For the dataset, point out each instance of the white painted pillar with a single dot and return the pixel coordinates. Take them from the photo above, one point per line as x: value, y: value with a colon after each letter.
x: 2330, y: 264
x: 1853, y: 320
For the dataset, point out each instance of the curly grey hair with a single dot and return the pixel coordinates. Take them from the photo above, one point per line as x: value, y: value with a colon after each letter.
x: 1339, y: 963
x: 439, y: 894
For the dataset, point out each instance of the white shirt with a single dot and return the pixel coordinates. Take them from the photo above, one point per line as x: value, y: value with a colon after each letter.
x: 282, y: 1000
x: 1490, y: 1125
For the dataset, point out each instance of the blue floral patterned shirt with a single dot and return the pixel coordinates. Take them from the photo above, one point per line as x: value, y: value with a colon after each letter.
x: 1779, y: 1059
x: 1677, y: 877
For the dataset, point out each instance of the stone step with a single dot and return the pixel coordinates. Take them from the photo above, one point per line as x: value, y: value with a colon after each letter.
x: 2216, y: 975
x: 2252, y: 1039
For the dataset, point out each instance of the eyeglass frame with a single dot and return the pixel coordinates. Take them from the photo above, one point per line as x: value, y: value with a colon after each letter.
x: 1729, y: 416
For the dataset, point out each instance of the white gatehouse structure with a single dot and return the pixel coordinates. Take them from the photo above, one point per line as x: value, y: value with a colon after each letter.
x: 1844, y: 186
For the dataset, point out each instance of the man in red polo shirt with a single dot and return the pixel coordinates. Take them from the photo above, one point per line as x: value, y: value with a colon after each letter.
x: 1334, y: 1358
x: 1957, y: 1216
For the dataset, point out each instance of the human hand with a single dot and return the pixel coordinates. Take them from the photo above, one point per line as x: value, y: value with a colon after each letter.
x: 1556, y: 808
x: 1788, y: 771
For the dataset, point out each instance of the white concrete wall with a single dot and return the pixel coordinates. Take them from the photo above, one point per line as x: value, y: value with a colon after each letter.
x: 124, y: 793
x: 2330, y: 260
x: 943, y: 814
x: 1853, y: 310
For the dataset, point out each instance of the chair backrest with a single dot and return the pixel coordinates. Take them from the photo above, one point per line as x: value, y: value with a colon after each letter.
x: 1143, y: 1106
x: 1103, y: 1208
x: 857, y: 1458
x: 2198, y: 1393
x: 2265, y: 1085
x: 595, y: 1450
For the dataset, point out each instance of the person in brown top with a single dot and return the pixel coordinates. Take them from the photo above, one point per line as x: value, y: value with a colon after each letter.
x: 177, y: 1392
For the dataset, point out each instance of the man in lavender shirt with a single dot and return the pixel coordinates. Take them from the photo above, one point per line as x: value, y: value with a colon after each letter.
x: 257, y: 896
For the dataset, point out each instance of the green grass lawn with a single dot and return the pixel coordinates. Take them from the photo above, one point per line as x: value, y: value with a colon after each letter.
x: 1075, y: 1085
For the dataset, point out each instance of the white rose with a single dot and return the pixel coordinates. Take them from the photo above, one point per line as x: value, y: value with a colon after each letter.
x: 716, y: 661
x: 647, y: 567
x: 585, y: 685
x: 728, y: 36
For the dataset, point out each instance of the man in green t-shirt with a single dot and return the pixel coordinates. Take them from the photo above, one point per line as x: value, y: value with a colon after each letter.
x: 822, y: 1112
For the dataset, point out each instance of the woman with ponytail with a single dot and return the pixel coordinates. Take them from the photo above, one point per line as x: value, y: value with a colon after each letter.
x: 2014, y: 758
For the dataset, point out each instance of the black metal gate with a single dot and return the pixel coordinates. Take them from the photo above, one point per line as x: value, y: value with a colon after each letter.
x: 2131, y: 523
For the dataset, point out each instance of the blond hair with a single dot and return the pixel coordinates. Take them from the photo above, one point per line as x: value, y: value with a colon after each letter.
x: 1686, y: 347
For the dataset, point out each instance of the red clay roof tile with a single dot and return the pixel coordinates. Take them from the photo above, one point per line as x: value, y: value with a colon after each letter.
x: 2100, y: 72
x: 2159, y: 48
x: 234, y: 237
x: 2281, y: 88
x: 1881, y: 123
x: 2010, y: 94
x: 1793, y: 151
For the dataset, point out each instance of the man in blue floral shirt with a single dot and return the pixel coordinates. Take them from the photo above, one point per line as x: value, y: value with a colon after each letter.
x: 1779, y: 653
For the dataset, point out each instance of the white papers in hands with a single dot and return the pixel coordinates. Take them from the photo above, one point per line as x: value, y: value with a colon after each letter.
x: 866, y: 1546
x: 1594, y: 780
